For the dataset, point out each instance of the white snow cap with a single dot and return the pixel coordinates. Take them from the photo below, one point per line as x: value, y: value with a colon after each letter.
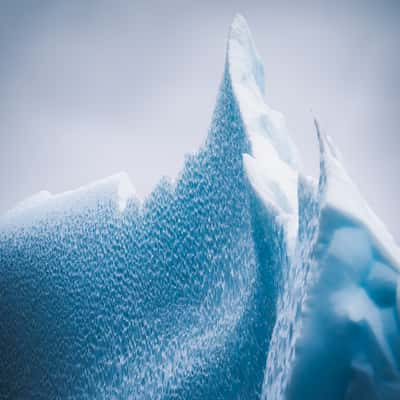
x: 272, y: 166
x: 119, y: 184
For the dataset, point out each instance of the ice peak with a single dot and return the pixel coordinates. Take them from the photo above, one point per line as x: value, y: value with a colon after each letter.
x: 272, y: 165
x: 244, y: 62
x: 246, y: 72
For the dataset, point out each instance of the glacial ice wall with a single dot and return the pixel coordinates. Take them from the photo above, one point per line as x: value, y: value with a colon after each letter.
x: 241, y: 279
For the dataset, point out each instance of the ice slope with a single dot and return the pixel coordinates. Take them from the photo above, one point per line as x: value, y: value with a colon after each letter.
x: 240, y: 280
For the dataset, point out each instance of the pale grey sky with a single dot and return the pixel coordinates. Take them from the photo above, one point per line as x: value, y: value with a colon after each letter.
x: 89, y: 88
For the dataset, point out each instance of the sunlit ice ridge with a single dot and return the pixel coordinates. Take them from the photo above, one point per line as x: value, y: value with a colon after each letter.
x: 240, y: 279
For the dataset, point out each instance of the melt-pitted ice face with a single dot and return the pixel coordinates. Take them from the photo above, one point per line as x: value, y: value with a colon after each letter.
x: 104, y: 296
x: 241, y: 279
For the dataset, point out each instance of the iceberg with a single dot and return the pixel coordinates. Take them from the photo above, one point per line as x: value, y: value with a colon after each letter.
x: 242, y: 278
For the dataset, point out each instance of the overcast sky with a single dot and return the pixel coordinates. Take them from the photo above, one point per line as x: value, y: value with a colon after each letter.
x: 89, y: 88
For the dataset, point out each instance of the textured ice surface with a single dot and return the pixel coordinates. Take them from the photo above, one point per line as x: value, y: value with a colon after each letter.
x: 242, y: 279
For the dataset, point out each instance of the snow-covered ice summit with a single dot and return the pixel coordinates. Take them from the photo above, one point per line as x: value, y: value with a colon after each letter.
x: 242, y: 279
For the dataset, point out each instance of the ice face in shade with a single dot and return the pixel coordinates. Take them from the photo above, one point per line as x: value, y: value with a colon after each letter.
x: 350, y: 327
x: 242, y: 279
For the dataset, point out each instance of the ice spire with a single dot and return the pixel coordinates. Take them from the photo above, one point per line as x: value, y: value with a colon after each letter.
x: 273, y: 162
